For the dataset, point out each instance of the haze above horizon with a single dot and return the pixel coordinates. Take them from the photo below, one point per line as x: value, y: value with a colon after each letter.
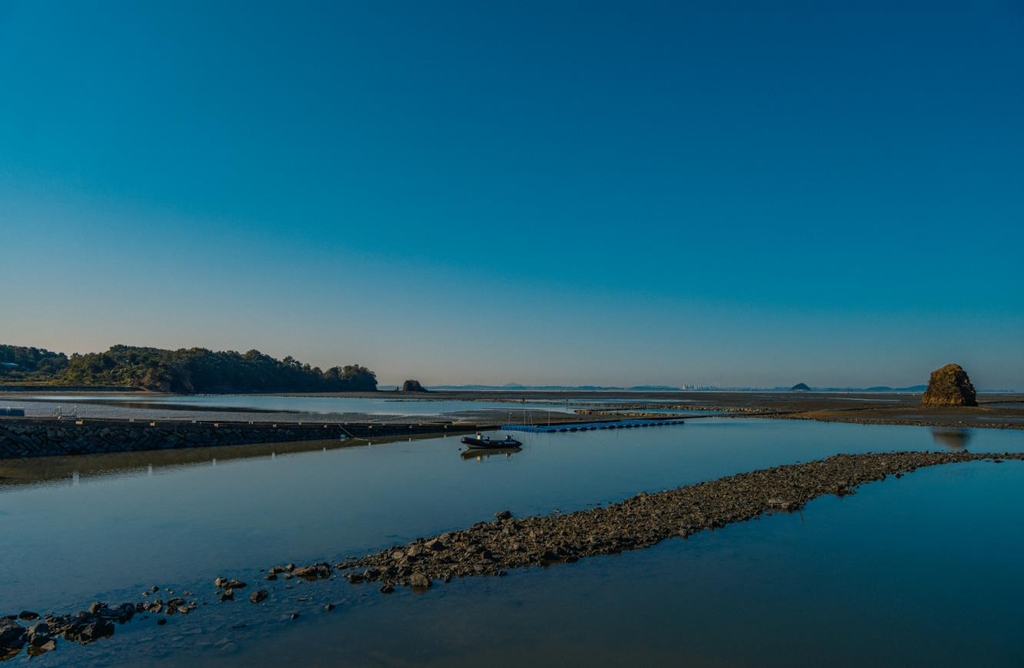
x: 662, y: 193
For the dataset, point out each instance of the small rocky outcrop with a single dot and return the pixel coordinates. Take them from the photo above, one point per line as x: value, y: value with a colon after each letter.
x: 949, y: 386
x: 314, y: 572
x: 800, y: 387
x: 413, y: 386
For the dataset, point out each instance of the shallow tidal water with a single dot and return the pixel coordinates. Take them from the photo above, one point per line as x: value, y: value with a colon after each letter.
x: 276, y: 407
x: 919, y: 570
x: 891, y: 577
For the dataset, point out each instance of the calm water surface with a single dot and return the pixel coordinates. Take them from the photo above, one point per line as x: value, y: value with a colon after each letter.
x: 918, y: 572
x: 424, y: 407
x: 722, y: 597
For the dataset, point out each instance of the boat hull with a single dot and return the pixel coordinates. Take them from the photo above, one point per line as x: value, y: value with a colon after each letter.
x: 488, y: 444
x: 480, y: 453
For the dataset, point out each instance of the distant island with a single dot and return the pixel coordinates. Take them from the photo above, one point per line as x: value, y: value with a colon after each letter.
x: 516, y: 387
x: 183, y: 371
x: 803, y: 387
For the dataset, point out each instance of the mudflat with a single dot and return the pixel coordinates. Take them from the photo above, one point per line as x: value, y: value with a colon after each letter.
x: 1000, y: 411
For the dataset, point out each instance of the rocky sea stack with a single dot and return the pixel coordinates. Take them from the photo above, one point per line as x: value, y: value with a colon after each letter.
x: 413, y: 386
x: 949, y: 386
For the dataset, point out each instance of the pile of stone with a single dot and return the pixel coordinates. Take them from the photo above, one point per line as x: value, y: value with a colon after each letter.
x: 227, y: 588
x: 84, y: 627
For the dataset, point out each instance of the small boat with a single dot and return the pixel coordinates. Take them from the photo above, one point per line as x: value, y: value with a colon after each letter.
x: 486, y: 442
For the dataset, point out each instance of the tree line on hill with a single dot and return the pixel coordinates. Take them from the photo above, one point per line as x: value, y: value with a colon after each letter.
x: 187, y: 370
x: 22, y: 363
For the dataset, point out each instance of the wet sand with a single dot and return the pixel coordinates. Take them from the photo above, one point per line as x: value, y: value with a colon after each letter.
x: 1001, y: 411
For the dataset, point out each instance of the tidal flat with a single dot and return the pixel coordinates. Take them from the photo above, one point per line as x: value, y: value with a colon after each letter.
x: 109, y: 534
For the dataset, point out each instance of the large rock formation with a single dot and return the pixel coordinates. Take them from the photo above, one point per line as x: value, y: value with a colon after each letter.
x: 413, y: 386
x: 949, y: 386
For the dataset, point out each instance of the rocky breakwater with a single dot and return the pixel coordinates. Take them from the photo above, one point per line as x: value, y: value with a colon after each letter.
x: 491, y: 548
x: 20, y: 438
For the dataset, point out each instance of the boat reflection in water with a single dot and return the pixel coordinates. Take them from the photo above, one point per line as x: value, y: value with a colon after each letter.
x: 480, y: 453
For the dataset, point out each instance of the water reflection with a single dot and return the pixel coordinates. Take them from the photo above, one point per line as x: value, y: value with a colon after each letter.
x: 680, y: 603
x: 382, y: 405
x: 171, y: 516
x: 479, y: 454
x: 42, y: 469
x: 955, y: 439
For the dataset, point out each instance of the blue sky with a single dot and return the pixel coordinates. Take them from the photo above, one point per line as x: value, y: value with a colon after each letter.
x: 533, y: 192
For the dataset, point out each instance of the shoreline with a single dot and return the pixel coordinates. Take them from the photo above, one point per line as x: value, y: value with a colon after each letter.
x: 166, y: 426
x: 34, y: 438
x: 876, y: 407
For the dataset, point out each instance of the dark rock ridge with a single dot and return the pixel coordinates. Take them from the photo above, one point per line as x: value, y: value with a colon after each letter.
x: 949, y: 386
x: 490, y: 548
x: 413, y: 386
x: 43, y: 438
x: 800, y: 387
x: 30, y: 437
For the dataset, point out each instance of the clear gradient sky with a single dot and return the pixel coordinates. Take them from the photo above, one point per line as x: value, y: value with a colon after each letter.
x: 537, y: 192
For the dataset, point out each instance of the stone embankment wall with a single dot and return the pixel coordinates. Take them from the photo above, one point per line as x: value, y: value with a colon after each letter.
x: 20, y: 437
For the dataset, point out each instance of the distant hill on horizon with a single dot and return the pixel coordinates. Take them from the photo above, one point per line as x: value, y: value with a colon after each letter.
x: 516, y: 387
x: 183, y: 371
x: 803, y: 387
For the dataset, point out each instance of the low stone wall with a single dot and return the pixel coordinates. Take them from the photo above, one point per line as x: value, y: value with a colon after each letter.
x: 21, y: 437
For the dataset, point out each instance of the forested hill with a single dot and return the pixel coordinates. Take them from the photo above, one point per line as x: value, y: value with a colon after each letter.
x: 192, y: 370
x: 21, y: 362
